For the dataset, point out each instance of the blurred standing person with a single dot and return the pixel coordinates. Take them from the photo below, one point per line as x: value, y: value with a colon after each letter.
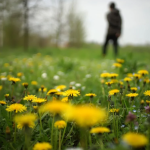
x: 114, y: 28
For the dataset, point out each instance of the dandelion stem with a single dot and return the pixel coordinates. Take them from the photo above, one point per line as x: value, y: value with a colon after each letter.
x: 63, y: 134
x: 52, y: 131
x: 60, y: 139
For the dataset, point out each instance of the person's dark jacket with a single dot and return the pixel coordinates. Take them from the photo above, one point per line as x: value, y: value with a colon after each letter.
x: 114, y: 21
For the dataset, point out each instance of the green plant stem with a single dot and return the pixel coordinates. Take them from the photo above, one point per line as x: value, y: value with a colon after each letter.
x: 63, y: 134
x: 52, y: 131
x: 101, y: 144
x: 41, y: 128
x: 60, y: 139
x: 90, y: 140
x: 15, y: 133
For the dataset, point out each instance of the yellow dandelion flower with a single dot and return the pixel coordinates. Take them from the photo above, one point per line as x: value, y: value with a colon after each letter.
x: 146, y: 80
x: 113, y: 75
x: 114, y: 81
x: 44, y: 89
x: 60, y: 87
x: 120, y: 60
x: 127, y: 79
x: 34, y: 83
x: 113, y: 92
x: 26, y: 120
x: 138, y: 76
x: 19, y: 74
x: 42, y: 146
x: 35, y: 107
x: 102, y: 81
x: 104, y: 75
x: 3, y: 102
x: 52, y: 91
x: 6, y: 64
x: 117, y: 65
x: 143, y: 72
x: 14, y: 79
x: 29, y: 97
x: 60, y: 124
x: 86, y: 115
x: 129, y: 75
x: 109, y: 83
x: 147, y: 102
x: 25, y: 84
x: 134, y: 89
x: 142, y: 102
x: 132, y: 94
x: 65, y: 99
x: 55, y: 107
x: 71, y: 92
x: 6, y: 95
x: 16, y: 107
x: 1, y: 87
x: 147, y: 93
x: 120, y: 82
x: 59, y: 93
x: 99, y: 130
x: 135, y: 139
x: 90, y: 95
x: 39, y: 100
x: 114, y: 110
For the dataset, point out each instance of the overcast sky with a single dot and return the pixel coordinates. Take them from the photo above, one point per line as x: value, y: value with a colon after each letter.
x: 135, y: 14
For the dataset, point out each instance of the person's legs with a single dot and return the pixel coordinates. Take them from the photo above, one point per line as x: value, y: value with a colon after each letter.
x: 105, y: 45
x: 115, y: 44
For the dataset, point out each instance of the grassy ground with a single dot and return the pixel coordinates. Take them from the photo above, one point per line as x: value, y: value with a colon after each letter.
x: 80, y: 68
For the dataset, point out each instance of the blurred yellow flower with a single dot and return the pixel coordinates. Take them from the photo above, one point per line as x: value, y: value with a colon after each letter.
x: 20, y: 74
x: 135, y: 139
x: 129, y: 75
x: 2, y: 102
x: 6, y: 64
x: 104, y: 75
x: 113, y: 92
x: 60, y: 124
x: 14, y: 79
x: 65, y: 99
x: 109, y: 83
x: 86, y: 115
x: 26, y: 120
x: 35, y: 107
x: 132, y: 94
x: 60, y: 87
x: 142, y: 102
x: 34, y: 83
x: 52, y: 91
x: 120, y: 60
x: 113, y: 75
x: 147, y: 93
x: 114, y: 81
x: 29, y: 97
x: 134, y: 89
x: 127, y: 79
x: 147, y: 102
x: 39, y: 100
x: 117, y: 65
x: 138, y: 76
x: 16, y: 107
x: 143, y: 72
x: 99, y: 130
x: 114, y: 110
x: 59, y: 93
x: 90, y: 95
x: 71, y: 92
x: 6, y: 95
x: 25, y: 84
x: 1, y: 87
x: 42, y: 88
x: 55, y: 107
x: 42, y: 146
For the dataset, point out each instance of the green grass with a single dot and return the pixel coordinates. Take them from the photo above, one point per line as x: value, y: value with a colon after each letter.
x: 83, y: 66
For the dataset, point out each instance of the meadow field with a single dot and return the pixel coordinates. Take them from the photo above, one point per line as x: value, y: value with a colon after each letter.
x: 74, y: 98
